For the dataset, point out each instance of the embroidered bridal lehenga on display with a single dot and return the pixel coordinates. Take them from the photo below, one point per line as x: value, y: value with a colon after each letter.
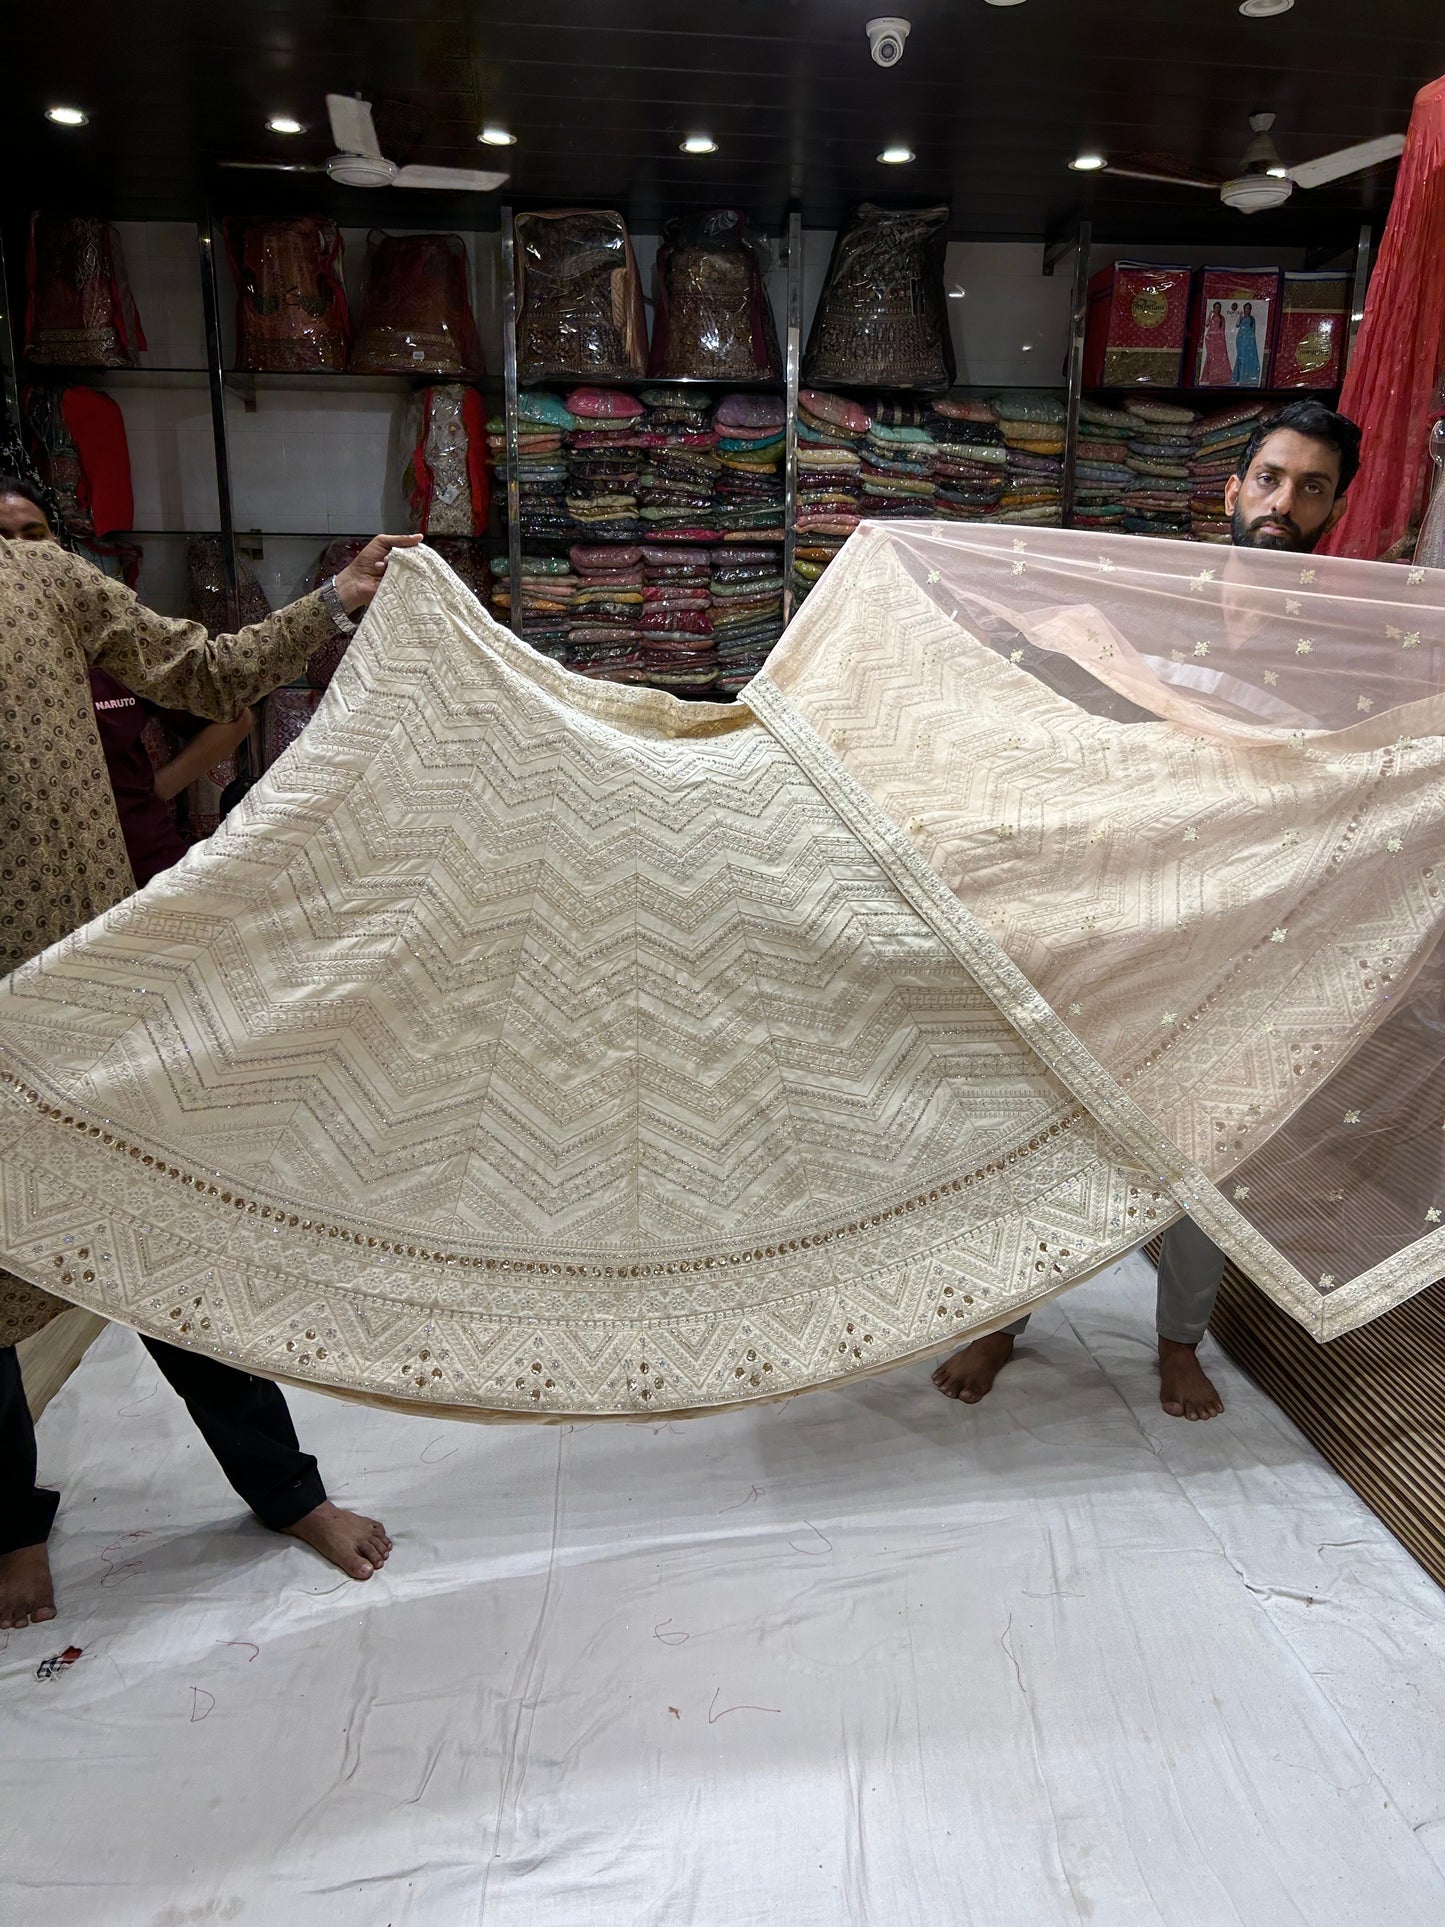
x: 524, y: 1045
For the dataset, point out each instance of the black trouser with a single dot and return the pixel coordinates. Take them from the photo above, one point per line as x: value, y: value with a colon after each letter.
x: 244, y: 1420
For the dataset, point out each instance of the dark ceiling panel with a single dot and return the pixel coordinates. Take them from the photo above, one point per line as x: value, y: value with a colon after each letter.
x: 600, y: 92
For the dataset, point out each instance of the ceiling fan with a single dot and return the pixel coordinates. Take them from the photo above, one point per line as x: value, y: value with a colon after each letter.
x: 359, y: 161
x: 1264, y: 181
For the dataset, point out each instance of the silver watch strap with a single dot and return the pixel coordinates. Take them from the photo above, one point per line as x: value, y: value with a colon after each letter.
x: 344, y: 623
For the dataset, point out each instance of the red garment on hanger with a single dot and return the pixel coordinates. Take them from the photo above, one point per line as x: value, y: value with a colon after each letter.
x: 1395, y: 383
x: 97, y: 428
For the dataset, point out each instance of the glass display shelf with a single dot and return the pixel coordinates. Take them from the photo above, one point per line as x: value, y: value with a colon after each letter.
x: 1226, y: 396
x: 758, y: 386
x: 343, y: 380
x: 45, y: 371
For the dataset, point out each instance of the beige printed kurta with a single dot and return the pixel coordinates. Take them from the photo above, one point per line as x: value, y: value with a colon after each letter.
x: 62, y: 855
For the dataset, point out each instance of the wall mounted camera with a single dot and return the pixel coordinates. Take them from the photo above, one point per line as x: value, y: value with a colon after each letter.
x: 886, y: 37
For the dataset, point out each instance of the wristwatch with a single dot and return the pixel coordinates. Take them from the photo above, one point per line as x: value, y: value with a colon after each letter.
x: 331, y: 600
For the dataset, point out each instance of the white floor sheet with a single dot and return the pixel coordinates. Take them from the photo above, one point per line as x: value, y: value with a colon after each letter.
x: 866, y: 1658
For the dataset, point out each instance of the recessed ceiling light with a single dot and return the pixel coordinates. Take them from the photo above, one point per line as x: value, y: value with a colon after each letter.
x: 1087, y: 163
x: 1263, y: 9
x: 284, y: 124
x: 896, y: 156
x: 1003, y: 3
x: 1026, y: 347
x: 497, y: 137
x: 699, y: 144
x: 67, y: 116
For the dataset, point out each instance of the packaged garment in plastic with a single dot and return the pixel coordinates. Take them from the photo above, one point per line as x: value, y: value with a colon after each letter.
x: 290, y: 304
x: 207, y: 598
x: 1138, y: 324
x: 713, y: 321
x: 882, y: 319
x: 579, y: 298
x: 834, y: 412
x: 544, y: 410
x: 416, y: 315
x: 1236, y: 311
x: 751, y: 412
x: 966, y: 408
x: 1313, y: 327
x: 603, y: 404
x: 446, y: 480
x: 79, y: 312
x: 1029, y: 405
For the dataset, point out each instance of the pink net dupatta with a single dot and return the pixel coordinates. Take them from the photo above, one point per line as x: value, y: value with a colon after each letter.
x: 1183, y: 816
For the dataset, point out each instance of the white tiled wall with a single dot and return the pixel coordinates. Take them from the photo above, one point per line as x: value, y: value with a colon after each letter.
x: 162, y: 263
x: 304, y: 462
x: 172, y: 450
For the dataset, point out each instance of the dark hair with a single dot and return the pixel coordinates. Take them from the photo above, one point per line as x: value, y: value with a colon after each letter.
x: 27, y: 491
x: 1309, y: 417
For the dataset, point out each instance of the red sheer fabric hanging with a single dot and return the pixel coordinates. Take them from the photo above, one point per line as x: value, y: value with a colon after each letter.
x: 1395, y: 384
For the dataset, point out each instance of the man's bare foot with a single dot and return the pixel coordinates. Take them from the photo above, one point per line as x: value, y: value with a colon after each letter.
x: 970, y: 1373
x: 355, y: 1545
x: 1185, y: 1389
x: 26, y: 1593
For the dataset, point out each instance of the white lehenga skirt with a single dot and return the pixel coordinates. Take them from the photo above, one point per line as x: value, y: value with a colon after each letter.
x: 526, y: 1046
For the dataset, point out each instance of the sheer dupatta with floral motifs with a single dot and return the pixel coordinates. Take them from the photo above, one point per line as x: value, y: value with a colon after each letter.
x: 1194, y: 798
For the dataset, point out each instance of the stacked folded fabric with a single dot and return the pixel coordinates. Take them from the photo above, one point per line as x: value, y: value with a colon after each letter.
x: 1031, y: 423
x: 747, y: 611
x: 831, y: 431
x: 1217, y: 442
x: 751, y: 435
x: 898, y: 455
x: 604, y: 636
x: 1102, y: 474
x: 1156, y: 501
x: 678, y: 651
x: 970, y: 468
x: 542, y: 463
x: 645, y: 490
x: 548, y: 586
x: 680, y: 476
x: 604, y: 464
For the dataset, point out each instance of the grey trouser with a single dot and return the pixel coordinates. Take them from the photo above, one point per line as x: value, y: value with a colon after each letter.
x: 1191, y: 1270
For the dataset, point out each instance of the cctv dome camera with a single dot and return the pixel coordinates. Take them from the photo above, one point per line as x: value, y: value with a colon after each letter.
x: 885, y: 39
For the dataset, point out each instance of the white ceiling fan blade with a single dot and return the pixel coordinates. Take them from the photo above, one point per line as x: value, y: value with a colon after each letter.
x: 1348, y: 160
x: 352, y: 127
x: 464, y: 180
x: 275, y: 167
x: 1127, y: 173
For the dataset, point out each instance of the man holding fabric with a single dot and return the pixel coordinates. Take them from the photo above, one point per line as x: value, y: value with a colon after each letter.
x: 1286, y: 493
x: 63, y: 861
